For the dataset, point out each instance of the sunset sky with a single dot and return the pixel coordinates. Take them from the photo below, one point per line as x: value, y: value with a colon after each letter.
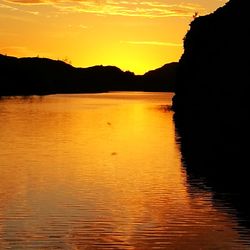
x: 133, y: 35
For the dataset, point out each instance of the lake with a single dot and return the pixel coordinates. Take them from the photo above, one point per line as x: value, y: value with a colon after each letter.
x: 104, y: 171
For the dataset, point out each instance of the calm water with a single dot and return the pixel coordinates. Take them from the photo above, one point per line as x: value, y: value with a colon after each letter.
x: 103, y: 171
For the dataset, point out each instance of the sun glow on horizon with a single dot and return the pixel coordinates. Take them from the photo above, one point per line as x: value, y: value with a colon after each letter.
x: 133, y: 35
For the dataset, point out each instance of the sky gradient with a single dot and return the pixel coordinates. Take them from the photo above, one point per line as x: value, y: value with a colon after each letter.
x: 133, y: 35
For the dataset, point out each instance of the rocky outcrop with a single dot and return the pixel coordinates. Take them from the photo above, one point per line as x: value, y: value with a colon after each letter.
x: 211, y: 103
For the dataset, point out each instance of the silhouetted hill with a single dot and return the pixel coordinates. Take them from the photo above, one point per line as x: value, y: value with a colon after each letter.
x: 29, y: 76
x: 211, y: 104
x: 211, y: 101
x: 159, y: 77
x: 212, y: 93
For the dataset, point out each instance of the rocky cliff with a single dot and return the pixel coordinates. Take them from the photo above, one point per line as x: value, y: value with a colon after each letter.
x: 212, y: 92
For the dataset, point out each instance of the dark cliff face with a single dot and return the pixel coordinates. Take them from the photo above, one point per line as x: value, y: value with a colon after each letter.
x: 212, y: 91
x: 212, y: 103
x: 215, y: 63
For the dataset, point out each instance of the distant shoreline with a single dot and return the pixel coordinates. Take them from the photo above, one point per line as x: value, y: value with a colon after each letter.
x: 85, y: 94
x: 43, y: 76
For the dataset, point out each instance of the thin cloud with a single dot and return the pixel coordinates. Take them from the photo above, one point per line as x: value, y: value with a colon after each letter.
x: 155, y: 43
x: 5, y: 6
x: 117, y: 8
x: 13, y: 8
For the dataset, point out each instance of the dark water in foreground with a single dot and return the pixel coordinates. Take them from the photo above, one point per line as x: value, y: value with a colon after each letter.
x: 104, y: 171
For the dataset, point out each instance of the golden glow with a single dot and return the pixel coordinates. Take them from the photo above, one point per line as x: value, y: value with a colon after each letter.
x: 133, y: 35
x: 80, y: 170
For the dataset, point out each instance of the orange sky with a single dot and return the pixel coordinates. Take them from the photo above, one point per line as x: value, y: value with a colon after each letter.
x: 133, y: 35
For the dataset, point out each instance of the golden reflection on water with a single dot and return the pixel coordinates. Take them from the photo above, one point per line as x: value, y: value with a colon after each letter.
x: 100, y: 171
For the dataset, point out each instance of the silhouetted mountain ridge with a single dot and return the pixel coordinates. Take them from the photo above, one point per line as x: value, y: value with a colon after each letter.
x: 29, y: 76
x: 159, y: 76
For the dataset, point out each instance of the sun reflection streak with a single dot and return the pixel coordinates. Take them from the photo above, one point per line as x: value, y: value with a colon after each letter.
x: 101, y: 171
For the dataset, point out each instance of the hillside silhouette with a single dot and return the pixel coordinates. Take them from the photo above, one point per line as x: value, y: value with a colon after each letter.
x: 211, y: 103
x: 212, y: 91
x: 40, y: 76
